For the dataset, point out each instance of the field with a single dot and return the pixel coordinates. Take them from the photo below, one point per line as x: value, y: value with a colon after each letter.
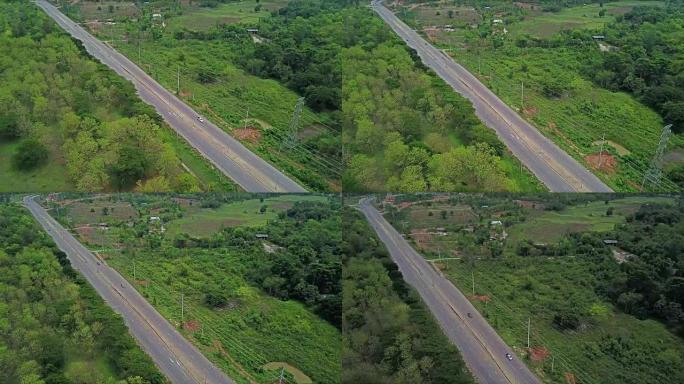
x: 230, y: 13
x: 545, y: 24
x: 204, y: 221
x: 611, y: 133
x: 50, y: 177
x: 250, y: 331
x: 549, y: 226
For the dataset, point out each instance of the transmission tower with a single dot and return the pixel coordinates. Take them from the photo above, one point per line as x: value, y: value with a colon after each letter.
x: 654, y: 172
x: 291, y: 140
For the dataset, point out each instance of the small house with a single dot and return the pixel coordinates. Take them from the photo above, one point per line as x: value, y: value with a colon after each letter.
x: 261, y: 236
x: 495, y: 222
x: 610, y: 242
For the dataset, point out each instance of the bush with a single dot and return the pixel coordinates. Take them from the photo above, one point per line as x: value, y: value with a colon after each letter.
x: 30, y: 154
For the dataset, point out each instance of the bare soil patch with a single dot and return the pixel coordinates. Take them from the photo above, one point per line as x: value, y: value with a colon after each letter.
x: 249, y: 134
x: 538, y: 353
x: 482, y: 298
x: 192, y: 325
x: 604, y: 162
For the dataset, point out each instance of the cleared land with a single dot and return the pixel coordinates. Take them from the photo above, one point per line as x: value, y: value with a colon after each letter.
x: 231, y: 13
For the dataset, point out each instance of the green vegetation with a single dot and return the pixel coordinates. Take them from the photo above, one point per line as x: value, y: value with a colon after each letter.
x: 409, y: 131
x: 389, y: 335
x: 247, y: 300
x: 54, y: 328
x: 67, y: 122
x: 608, y: 313
x: 601, y: 80
x: 226, y: 73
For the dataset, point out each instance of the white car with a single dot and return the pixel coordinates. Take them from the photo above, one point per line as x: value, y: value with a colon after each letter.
x: 200, y: 118
x: 509, y: 357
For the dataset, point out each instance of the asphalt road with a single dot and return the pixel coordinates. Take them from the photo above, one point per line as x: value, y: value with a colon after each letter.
x: 175, y: 356
x: 232, y: 158
x: 483, y: 351
x: 552, y: 166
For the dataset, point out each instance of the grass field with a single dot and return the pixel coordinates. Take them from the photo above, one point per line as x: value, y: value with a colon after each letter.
x: 50, y: 177
x: 244, y: 12
x: 549, y: 226
x: 545, y: 24
x: 204, y: 221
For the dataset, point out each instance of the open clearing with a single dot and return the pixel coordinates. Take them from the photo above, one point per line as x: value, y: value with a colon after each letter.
x: 549, y: 226
x: 202, y: 19
x: 204, y: 221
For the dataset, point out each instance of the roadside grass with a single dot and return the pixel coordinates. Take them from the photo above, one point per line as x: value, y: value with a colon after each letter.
x: 205, y: 221
x: 210, y: 178
x: 550, y: 226
x: 201, y: 19
x: 430, y: 216
x: 49, y: 177
x: 610, y: 346
x: 253, y: 330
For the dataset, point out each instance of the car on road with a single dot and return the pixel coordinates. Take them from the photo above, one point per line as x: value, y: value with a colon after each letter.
x: 200, y: 118
x: 509, y: 357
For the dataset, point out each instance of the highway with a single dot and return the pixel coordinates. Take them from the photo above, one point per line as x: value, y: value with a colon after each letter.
x: 483, y: 351
x: 246, y: 169
x: 549, y: 163
x: 175, y: 356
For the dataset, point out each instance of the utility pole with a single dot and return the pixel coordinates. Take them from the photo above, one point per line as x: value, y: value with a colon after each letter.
x: 247, y: 117
x: 291, y: 140
x: 529, y: 321
x: 178, y: 81
x: 522, y: 94
x: 134, y: 275
x: 553, y: 360
x: 603, y: 140
x: 472, y: 275
x: 281, y: 380
x: 654, y: 172
x: 182, y: 310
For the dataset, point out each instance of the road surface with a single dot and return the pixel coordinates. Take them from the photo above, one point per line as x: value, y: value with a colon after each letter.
x: 232, y: 158
x: 552, y: 166
x: 175, y: 356
x: 483, y: 351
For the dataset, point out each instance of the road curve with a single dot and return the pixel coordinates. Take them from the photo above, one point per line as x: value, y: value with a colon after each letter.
x: 550, y: 164
x: 175, y: 356
x: 483, y: 351
x: 249, y: 171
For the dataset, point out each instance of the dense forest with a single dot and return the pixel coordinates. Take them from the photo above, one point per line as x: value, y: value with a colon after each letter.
x: 647, y: 60
x: 389, y: 335
x: 62, y: 107
x: 54, y: 328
